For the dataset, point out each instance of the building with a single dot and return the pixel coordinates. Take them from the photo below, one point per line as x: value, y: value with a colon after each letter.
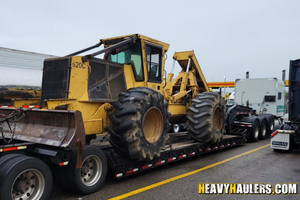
x: 19, y: 67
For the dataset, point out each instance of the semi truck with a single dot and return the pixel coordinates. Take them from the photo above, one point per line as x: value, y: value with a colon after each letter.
x: 286, y: 137
x: 265, y: 95
x: 122, y: 99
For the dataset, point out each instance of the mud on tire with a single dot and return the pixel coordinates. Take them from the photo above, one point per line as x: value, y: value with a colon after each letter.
x: 206, y: 117
x: 139, y: 123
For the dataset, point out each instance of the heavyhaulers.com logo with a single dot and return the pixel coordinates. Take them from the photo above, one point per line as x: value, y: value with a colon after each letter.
x: 248, y: 188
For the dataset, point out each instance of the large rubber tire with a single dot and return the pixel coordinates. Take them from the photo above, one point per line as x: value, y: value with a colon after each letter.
x: 61, y: 178
x: 253, y: 132
x: 206, y: 117
x: 8, y: 157
x: 270, y: 122
x: 25, y: 178
x: 139, y: 124
x: 262, y: 128
x: 91, y: 176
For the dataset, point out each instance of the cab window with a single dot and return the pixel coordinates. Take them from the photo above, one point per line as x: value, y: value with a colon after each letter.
x: 153, y: 59
x: 133, y: 57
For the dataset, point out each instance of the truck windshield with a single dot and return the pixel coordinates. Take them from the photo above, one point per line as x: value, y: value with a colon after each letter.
x: 133, y: 57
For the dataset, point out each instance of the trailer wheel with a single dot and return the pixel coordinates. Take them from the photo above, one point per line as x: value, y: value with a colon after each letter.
x: 8, y: 157
x: 91, y: 176
x: 60, y: 177
x: 253, y: 132
x: 262, y: 128
x: 139, y: 124
x: 270, y: 122
x: 206, y: 117
x: 25, y: 178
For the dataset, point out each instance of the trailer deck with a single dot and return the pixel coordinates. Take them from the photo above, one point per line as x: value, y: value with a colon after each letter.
x: 174, y: 151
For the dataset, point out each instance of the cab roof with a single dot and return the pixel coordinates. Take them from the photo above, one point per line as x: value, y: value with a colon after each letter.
x: 110, y: 41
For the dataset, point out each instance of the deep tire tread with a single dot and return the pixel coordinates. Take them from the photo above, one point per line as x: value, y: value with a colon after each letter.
x: 133, y: 144
x: 123, y: 126
x: 200, y: 117
x: 114, y: 119
x: 111, y: 132
x: 117, y: 105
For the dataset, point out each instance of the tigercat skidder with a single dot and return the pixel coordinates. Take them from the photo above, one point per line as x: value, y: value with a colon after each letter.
x: 126, y: 97
x: 124, y: 94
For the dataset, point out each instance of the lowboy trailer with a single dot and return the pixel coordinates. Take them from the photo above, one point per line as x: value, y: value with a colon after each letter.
x: 41, y: 164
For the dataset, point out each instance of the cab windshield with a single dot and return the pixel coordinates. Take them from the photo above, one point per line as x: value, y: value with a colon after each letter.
x: 131, y: 56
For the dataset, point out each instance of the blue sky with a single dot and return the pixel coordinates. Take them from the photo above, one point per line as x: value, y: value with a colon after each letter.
x: 228, y: 37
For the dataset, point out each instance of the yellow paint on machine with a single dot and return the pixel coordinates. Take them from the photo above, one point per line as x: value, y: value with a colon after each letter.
x: 134, y: 192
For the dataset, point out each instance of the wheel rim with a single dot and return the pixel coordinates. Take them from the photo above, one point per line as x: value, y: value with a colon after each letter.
x: 91, y: 170
x: 29, y: 184
x: 176, y: 128
x: 153, y: 125
x: 218, y: 119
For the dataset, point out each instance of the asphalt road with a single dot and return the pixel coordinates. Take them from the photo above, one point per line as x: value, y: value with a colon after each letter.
x: 259, y: 166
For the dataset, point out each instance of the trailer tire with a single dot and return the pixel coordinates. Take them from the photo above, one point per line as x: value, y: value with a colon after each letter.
x: 8, y: 157
x: 270, y: 122
x: 262, y: 128
x: 139, y: 124
x: 91, y: 176
x: 60, y: 177
x: 206, y: 117
x: 24, y: 178
x: 253, y: 132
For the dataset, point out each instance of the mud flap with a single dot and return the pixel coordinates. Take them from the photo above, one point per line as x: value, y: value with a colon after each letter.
x: 281, y: 139
x: 60, y: 128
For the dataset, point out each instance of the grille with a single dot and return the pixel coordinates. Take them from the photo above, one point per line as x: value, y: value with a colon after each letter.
x: 56, y: 76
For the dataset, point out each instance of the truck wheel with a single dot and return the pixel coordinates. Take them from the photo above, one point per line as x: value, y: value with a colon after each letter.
x: 206, y: 117
x: 270, y: 122
x: 60, y: 177
x: 25, y: 178
x: 139, y: 124
x: 262, y: 128
x: 175, y: 128
x: 253, y: 132
x: 8, y: 157
x: 91, y: 176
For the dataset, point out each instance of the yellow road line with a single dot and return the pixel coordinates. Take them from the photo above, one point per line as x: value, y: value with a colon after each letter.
x: 134, y: 192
